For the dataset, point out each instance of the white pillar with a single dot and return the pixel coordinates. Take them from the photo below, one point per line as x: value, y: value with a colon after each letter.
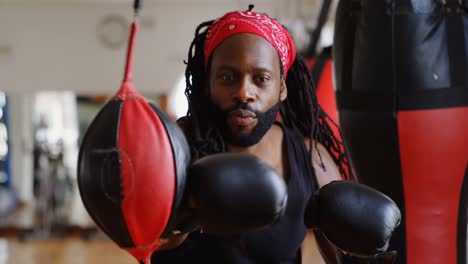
x: 21, y: 145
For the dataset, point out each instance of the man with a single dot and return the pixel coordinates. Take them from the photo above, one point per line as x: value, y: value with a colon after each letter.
x: 242, y: 72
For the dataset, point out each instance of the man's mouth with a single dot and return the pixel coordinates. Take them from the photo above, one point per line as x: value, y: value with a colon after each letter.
x: 241, y: 117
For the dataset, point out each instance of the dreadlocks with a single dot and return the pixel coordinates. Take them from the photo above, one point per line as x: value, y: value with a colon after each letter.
x: 300, y: 109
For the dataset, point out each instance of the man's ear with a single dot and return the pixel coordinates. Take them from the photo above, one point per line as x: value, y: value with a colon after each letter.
x: 283, y: 90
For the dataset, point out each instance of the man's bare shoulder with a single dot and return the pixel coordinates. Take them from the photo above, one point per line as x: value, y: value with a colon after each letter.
x: 325, y: 167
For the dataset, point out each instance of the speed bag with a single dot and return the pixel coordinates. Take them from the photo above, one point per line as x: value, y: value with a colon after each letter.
x: 402, y: 94
x: 132, y: 171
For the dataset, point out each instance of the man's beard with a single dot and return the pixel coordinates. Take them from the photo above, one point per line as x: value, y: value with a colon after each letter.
x: 242, y: 139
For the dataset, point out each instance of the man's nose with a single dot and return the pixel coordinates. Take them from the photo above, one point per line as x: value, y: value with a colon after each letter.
x: 246, y: 92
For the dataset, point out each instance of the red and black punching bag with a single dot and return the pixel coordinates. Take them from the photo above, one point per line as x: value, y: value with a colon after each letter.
x: 132, y: 169
x: 402, y: 94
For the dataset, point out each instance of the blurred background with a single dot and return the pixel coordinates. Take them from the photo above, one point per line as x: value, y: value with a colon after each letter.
x: 60, y: 61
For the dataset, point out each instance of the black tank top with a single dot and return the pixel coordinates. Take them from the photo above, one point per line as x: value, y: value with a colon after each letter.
x: 277, y: 244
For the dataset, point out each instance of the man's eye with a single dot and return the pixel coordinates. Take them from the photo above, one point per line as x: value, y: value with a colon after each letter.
x: 226, y: 77
x: 262, y: 79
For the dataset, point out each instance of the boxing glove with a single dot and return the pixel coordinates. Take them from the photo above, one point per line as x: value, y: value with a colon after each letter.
x: 230, y: 193
x: 356, y: 219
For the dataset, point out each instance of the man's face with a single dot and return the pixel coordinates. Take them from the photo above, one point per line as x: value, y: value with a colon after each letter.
x: 245, y: 87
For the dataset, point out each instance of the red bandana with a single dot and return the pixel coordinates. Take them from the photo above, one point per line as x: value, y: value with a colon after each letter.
x: 251, y: 22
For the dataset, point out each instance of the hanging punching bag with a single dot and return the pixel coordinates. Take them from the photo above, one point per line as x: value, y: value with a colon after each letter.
x: 402, y: 94
x: 132, y: 168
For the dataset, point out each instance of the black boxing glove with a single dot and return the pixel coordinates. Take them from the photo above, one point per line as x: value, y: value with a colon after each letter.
x: 235, y: 192
x: 358, y: 220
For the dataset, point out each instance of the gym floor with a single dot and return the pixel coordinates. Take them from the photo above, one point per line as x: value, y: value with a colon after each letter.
x: 61, y: 251
x: 21, y: 244
x: 70, y: 251
x: 74, y: 250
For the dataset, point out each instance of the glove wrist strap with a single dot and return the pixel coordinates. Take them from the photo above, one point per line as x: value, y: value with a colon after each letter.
x: 381, y: 258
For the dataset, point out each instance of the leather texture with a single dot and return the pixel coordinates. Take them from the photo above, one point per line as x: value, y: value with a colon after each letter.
x: 236, y: 192
x: 354, y: 217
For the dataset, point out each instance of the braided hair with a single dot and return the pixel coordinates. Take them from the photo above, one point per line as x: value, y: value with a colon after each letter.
x: 300, y: 109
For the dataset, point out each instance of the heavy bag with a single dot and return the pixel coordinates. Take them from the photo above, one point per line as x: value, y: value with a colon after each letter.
x: 402, y: 94
x: 132, y: 169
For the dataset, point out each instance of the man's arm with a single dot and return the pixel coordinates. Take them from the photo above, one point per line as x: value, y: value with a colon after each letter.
x: 326, y: 171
